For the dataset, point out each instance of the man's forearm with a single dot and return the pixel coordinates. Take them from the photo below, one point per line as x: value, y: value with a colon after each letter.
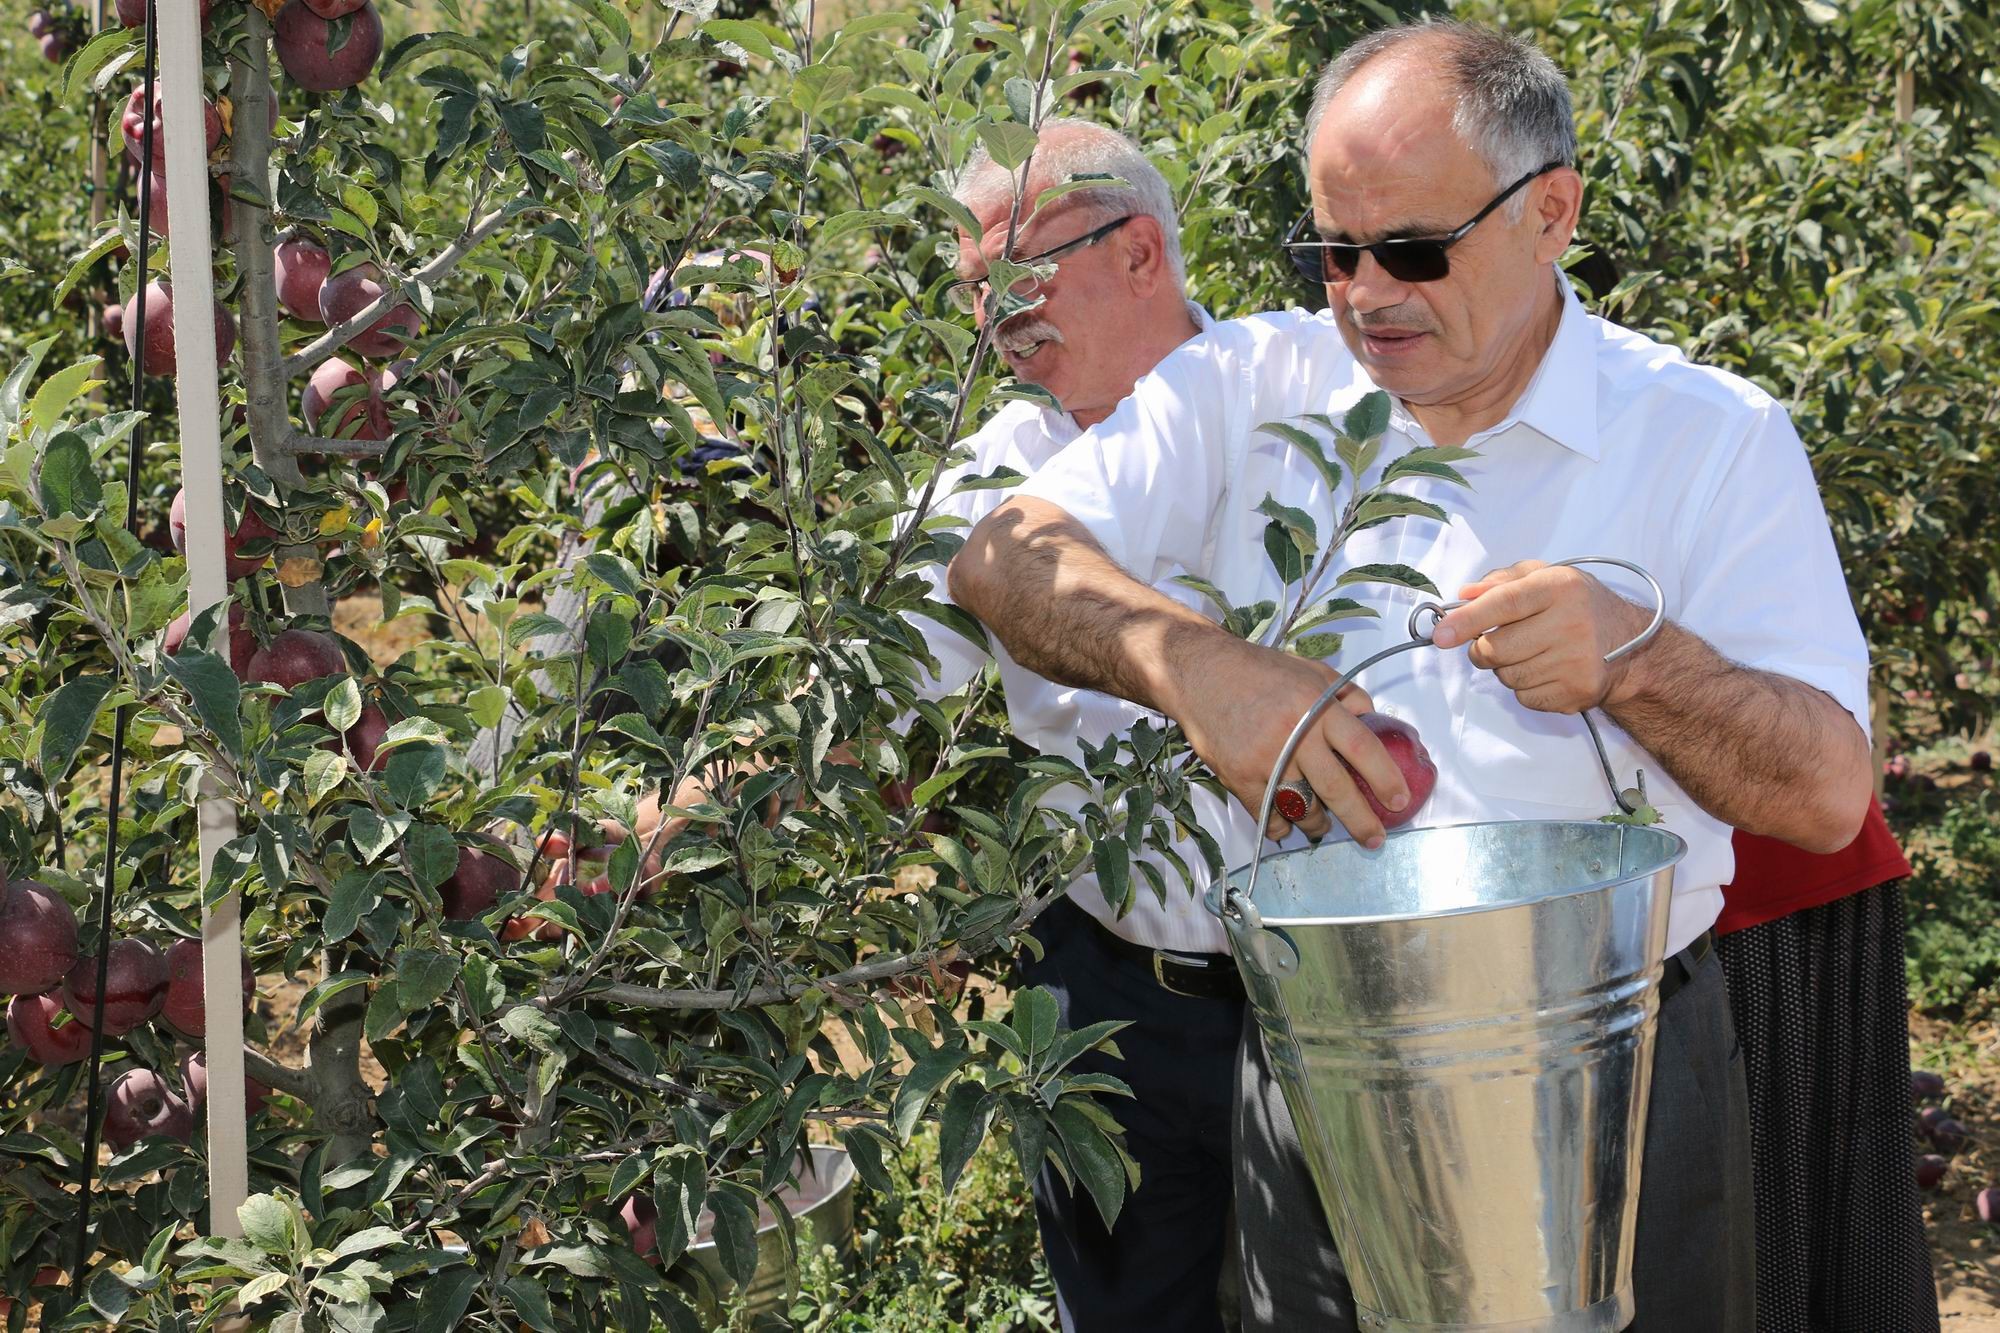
x: 1761, y: 752
x: 1066, y: 611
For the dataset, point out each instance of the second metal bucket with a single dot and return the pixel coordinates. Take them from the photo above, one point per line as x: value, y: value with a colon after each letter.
x: 1462, y: 1023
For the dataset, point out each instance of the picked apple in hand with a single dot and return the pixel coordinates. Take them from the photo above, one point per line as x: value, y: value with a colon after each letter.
x: 1406, y: 747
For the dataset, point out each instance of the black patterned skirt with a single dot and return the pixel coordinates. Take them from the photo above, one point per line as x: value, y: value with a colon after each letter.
x: 1822, y: 1008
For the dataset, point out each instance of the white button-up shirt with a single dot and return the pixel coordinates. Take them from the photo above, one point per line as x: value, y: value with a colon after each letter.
x: 1619, y: 446
x: 1059, y: 719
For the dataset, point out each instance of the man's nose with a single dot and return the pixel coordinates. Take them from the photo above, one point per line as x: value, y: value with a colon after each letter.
x: 1371, y: 288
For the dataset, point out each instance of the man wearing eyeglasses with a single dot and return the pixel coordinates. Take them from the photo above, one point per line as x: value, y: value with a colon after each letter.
x: 1113, y: 306
x: 1440, y: 159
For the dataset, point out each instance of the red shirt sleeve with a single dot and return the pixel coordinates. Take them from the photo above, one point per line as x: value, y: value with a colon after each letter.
x: 1775, y: 879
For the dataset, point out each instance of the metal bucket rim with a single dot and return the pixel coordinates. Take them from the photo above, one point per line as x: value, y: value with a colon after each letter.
x: 844, y: 1173
x: 1676, y: 845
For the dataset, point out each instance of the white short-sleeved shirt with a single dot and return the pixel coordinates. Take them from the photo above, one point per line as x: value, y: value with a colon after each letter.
x: 1619, y: 447
x: 1059, y: 719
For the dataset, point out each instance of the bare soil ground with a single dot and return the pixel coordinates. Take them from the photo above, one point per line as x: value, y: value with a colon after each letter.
x: 1964, y: 1250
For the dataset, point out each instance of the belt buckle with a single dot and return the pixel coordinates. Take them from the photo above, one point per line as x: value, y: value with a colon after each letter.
x: 1160, y: 961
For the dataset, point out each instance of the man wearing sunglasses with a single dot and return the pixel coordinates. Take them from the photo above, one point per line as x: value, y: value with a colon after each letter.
x: 1104, y: 303
x: 1440, y: 159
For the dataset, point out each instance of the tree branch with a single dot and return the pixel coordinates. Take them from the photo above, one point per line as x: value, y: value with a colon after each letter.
x: 292, y: 1082
x: 337, y: 337
x: 296, y: 443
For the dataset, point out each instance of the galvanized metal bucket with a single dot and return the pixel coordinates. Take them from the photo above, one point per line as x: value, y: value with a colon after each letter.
x: 1462, y: 1024
x: 822, y: 1209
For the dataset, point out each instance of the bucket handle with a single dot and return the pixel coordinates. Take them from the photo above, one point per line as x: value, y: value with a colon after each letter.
x: 1223, y: 898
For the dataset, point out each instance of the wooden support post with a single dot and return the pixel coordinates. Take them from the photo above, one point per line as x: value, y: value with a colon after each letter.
x: 192, y: 263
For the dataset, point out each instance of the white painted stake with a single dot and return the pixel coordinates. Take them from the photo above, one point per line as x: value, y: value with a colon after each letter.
x: 181, y: 90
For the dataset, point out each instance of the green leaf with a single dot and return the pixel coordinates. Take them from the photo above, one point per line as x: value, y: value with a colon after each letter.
x: 414, y: 773
x: 372, y: 834
x: 1034, y: 1019
x: 926, y: 1076
x: 1321, y: 646
x: 217, y: 695
x: 1367, y: 418
x: 258, y: 1288
x: 266, y: 1223
x: 60, y: 390
x: 82, y: 67
x: 14, y: 389
x: 1100, y: 1164
x: 1431, y: 462
x: 680, y: 1188
x: 423, y: 977
x: 324, y: 770
x: 817, y: 89
x: 431, y: 854
x: 1402, y: 576
x: 1382, y: 507
x: 735, y: 1235
x: 444, y: 1300
x: 526, y: 1023
x: 1284, y: 553
x: 1113, y: 860
x: 530, y: 1300
x: 69, y: 483
x: 67, y: 719
x: 968, y: 1112
x: 343, y: 704
x: 1007, y: 142
x: 1308, y: 444
x: 354, y: 896
x: 483, y: 985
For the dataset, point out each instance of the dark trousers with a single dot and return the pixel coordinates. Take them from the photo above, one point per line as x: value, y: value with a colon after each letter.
x: 1158, y: 1268
x: 1694, y: 1266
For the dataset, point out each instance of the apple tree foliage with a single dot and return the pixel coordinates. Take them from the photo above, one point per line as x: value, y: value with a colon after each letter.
x: 720, y: 475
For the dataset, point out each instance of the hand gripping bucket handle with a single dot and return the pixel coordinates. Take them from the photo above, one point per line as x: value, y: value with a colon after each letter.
x: 1225, y: 900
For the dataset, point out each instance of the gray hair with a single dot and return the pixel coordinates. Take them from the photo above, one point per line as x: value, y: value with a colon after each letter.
x: 1069, y: 147
x: 1513, y: 108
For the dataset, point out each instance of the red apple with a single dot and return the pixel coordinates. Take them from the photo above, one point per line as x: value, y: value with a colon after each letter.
x: 334, y: 9
x: 1949, y: 1137
x: 1981, y: 761
x: 302, y: 37
x: 1407, y: 749
x: 242, y: 643
x: 55, y: 48
x: 132, y: 13
x: 114, y: 322
x: 1930, y: 1118
x: 521, y: 927
x: 41, y: 23
x: 135, y: 987
x: 483, y: 875
x: 194, y: 1077
x: 37, y: 938
x: 347, y: 294
x: 365, y: 419
x: 253, y: 528
x: 1924, y: 1083
x: 140, y: 1106
x: 302, y: 265
x: 1988, y: 1204
x: 31, y: 1026
x: 133, y: 122
x: 159, y: 358
x: 1931, y: 1171
x: 296, y: 656
x: 363, y: 740
x: 184, y: 1010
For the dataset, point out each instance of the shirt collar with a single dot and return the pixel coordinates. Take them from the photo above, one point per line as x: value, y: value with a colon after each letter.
x: 1560, y: 402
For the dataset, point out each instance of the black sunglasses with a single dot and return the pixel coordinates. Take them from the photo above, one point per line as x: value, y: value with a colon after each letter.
x: 968, y: 294
x: 1404, y: 258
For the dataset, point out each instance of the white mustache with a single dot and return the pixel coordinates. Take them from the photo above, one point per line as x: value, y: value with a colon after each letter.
x: 1376, y: 324
x: 1023, y: 334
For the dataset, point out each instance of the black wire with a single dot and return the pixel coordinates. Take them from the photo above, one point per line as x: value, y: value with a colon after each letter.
x: 94, y: 1115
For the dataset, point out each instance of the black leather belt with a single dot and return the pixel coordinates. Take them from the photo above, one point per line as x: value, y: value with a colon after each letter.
x: 1202, y: 976
x: 1679, y: 970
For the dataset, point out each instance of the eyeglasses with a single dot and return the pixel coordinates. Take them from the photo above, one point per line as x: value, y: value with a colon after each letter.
x: 1404, y: 258
x: 969, y: 294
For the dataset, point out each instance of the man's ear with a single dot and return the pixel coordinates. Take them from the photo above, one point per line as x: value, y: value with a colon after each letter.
x: 1144, y: 248
x: 1561, y: 204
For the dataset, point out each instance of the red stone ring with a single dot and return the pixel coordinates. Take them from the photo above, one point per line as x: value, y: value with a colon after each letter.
x: 1295, y: 800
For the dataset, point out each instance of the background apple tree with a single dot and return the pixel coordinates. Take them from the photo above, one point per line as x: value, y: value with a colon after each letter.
x: 627, y: 317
